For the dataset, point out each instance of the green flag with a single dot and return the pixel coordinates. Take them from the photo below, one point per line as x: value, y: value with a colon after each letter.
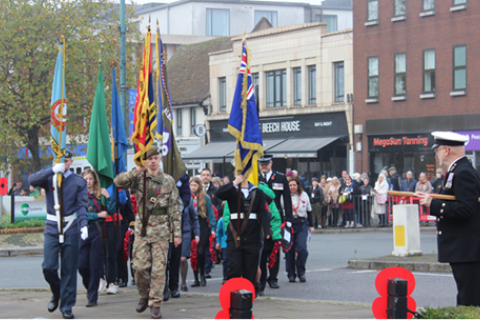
x: 99, y: 152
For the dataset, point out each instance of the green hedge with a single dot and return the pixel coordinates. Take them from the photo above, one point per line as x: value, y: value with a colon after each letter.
x: 460, y: 312
x: 6, y: 224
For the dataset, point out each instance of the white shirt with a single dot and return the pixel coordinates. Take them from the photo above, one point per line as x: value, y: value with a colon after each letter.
x: 268, y: 175
x: 301, y: 205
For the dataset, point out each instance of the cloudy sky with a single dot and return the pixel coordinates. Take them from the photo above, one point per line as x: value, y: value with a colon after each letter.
x: 316, y: 2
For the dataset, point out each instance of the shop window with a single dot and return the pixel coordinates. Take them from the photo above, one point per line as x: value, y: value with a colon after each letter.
x: 428, y: 5
x: 400, y: 8
x: 179, y: 122
x: 372, y: 10
x: 270, y: 15
x: 373, y: 77
x: 276, y: 88
x: 400, y: 74
x: 429, y: 71
x: 218, y: 22
x: 460, y: 67
x: 297, y: 86
x: 339, y: 82
x: 312, y: 85
x: 223, y: 94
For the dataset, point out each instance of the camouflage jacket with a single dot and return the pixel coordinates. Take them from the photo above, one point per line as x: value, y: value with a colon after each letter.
x: 163, y: 188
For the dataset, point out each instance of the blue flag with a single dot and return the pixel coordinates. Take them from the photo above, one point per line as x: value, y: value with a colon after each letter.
x: 243, y: 122
x: 59, y: 109
x: 119, y: 142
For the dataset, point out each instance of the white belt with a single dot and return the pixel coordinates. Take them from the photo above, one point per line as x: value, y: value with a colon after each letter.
x: 234, y: 216
x: 68, y: 219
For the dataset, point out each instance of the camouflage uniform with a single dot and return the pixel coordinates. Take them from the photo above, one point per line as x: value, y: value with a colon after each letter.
x: 150, y: 252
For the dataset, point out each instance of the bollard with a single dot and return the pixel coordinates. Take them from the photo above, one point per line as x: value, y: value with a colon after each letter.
x: 397, y: 299
x: 12, y: 208
x: 241, y: 304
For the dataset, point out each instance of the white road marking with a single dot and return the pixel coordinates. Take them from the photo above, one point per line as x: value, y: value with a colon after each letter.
x: 363, y: 271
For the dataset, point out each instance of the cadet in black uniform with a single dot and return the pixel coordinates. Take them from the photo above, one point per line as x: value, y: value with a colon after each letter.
x: 458, y: 221
x: 283, y: 200
x: 243, y: 255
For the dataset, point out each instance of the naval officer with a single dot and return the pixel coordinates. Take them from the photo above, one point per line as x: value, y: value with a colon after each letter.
x: 458, y: 221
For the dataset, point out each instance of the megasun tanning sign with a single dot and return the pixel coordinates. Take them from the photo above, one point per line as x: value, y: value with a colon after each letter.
x: 400, y: 143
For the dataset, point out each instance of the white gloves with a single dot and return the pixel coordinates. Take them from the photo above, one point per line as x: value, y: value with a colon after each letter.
x: 289, y: 224
x: 59, y: 168
x: 84, y: 233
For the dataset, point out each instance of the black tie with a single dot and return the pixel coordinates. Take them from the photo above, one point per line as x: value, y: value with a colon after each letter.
x: 265, y: 176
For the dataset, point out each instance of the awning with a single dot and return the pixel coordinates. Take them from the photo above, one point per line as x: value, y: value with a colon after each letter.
x: 212, y: 152
x: 300, y: 148
x: 216, y: 151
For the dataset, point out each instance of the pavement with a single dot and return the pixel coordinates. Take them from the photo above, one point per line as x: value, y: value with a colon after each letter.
x: 13, y: 304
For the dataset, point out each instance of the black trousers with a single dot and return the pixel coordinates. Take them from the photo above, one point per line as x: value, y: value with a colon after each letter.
x: 173, y: 267
x: 467, y: 277
x: 122, y: 266
x: 111, y: 267
x: 268, y: 246
x: 243, y: 261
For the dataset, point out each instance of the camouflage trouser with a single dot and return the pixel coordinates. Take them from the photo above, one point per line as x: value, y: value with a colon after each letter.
x: 148, y: 256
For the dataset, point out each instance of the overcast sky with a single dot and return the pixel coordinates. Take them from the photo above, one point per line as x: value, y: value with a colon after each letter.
x: 316, y: 2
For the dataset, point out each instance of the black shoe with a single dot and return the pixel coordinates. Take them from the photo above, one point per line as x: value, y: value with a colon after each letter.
x: 260, y: 293
x: 166, y: 294
x: 195, y: 284
x: 208, y: 276
x: 273, y: 284
x: 291, y: 279
x: 203, y: 281
x: 91, y: 304
x: 302, y: 278
x: 175, y: 294
x: 67, y: 315
x: 52, y: 304
x: 184, y: 288
x: 133, y: 282
x: 123, y: 284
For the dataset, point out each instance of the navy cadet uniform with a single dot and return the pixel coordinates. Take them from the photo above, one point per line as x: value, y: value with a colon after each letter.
x: 458, y: 222
x: 75, y: 203
x: 283, y: 200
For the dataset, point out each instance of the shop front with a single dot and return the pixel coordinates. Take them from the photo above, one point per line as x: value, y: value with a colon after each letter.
x: 312, y: 144
x: 403, y: 151
x: 472, y: 147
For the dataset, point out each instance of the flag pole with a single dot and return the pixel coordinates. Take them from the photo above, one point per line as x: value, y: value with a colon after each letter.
x: 60, y: 175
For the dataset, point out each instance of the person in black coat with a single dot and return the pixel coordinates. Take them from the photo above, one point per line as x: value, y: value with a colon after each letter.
x: 458, y: 221
x: 243, y: 254
x: 316, y: 198
x: 283, y: 200
x: 437, y: 183
x: 395, y: 178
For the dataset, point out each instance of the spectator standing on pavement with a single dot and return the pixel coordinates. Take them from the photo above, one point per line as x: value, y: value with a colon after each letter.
x: 458, y: 221
x: 226, y: 180
x: 365, y: 207
x: 25, y: 192
x: 316, y: 199
x: 437, y: 182
x: 190, y: 226
x: 332, y: 200
x: 408, y: 185
x: 323, y: 184
x: 381, y: 191
x: 289, y: 175
x: 302, y: 226
x: 90, y: 255
x: 75, y: 204
x: 342, y: 178
x: 395, y: 178
x: 423, y: 185
x: 34, y: 192
x: 16, y: 189
x: 349, y: 190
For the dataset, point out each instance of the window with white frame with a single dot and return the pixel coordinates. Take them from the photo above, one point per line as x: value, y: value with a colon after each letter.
x: 400, y: 74
x: 271, y: 16
x: 193, y: 120
x: 179, y: 122
x: 372, y: 10
x: 331, y: 19
x: 312, y: 84
x: 400, y: 7
x: 297, y: 86
x: 218, y: 22
x: 255, y: 82
x: 339, y: 81
x: 373, y: 77
x: 276, y: 88
x: 429, y: 70
x: 222, y: 85
x: 459, y: 2
x: 428, y: 5
x: 460, y: 67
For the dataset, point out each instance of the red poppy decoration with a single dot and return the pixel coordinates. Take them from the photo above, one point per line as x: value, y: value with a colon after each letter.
x: 3, y: 186
x: 125, y: 245
x: 212, y: 248
x: 273, y: 255
x: 273, y: 177
x: 193, y: 255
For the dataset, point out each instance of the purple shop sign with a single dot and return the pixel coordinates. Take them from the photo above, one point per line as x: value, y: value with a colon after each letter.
x: 473, y: 142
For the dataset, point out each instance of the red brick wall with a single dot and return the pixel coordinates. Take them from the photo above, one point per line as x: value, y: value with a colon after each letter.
x: 440, y: 31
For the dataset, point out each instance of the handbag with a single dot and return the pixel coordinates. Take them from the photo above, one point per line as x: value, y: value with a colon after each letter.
x: 342, y: 199
x: 381, y: 198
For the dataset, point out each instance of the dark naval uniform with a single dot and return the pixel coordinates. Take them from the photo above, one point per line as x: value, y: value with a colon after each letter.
x: 283, y: 200
x: 458, y: 229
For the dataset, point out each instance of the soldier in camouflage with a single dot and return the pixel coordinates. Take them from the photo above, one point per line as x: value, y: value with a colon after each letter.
x: 153, y: 229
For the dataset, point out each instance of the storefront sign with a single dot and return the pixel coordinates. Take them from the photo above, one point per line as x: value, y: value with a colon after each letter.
x: 473, y: 142
x: 26, y: 208
x: 284, y: 126
x: 400, y: 143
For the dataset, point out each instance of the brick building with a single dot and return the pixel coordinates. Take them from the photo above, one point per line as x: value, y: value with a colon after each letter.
x: 416, y: 70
